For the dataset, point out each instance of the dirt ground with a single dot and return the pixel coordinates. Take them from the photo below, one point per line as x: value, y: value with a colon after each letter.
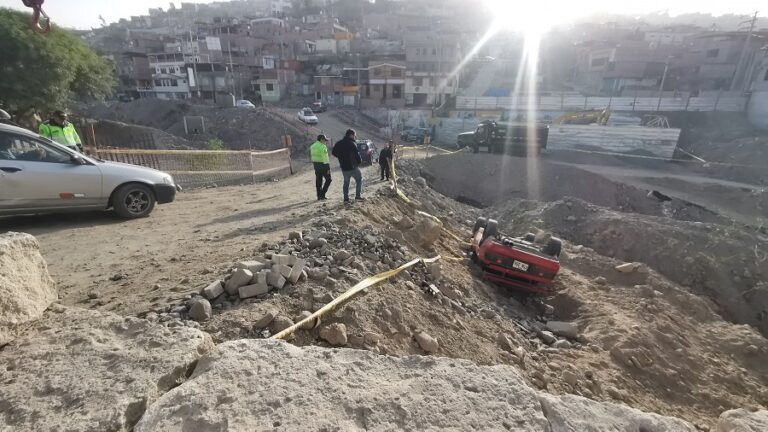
x: 649, y: 339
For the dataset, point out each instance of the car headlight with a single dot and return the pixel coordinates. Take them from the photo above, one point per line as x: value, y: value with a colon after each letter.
x: 168, y: 180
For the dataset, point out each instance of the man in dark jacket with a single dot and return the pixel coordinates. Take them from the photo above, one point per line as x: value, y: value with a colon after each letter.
x: 349, y: 159
x: 385, y: 158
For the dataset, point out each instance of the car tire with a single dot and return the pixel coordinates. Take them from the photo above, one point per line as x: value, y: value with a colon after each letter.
x: 491, y: 229
x: 553, y: 247
x: 481, y: 222
x: 133, y: 200
x: 530, y: 237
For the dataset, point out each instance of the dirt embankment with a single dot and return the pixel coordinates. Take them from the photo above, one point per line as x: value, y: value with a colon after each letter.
x: 238, y: 128
x: 487, y: 180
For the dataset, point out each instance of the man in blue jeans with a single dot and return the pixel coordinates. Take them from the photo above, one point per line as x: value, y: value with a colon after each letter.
x: 349, y: 159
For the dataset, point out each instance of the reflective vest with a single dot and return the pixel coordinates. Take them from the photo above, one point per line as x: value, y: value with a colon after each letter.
x: 319, y: 153
x: 66, y: 135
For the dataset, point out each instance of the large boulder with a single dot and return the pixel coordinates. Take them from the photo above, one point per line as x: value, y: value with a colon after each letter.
x: 26, y: 288
x: 574, y: 413
x: 80, y: 370
x: 312, y: 388
x: 741, y: 420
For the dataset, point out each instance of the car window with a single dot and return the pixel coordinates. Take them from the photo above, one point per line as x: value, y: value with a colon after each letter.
x: 307, y: 112
x: 29, y: 149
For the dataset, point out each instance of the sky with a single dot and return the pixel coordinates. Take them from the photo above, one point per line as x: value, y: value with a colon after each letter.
x: 83, y: 14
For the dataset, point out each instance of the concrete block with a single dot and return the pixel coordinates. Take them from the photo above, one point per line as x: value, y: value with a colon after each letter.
x: 260, y: 277
x: 280, y: 259
x: 275, y: 280
x: 292, y: 260
x: 281, y: 269
x: 298, y: 267
x: 213, y: 290
x: 240, y: 277
x: 253, y: 290
x: 253, y: 266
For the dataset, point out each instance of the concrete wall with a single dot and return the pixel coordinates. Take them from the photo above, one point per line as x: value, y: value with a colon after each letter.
x: 757, y: 112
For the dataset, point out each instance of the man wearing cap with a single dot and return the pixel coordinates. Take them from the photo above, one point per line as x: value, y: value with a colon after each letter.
x: 59, y: 130
x: 319, y: 154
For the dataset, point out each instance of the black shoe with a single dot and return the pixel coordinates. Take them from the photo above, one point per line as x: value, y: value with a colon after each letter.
x: 347, y: 202
x: 322, y: 198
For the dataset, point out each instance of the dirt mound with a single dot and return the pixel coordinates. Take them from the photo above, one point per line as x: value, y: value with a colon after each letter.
x: 122, y: 135
x: 724, y: 263
x: 238, y: 128
x: 492, y: 179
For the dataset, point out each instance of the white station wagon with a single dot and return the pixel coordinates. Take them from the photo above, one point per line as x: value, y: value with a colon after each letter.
x: 40, y: 176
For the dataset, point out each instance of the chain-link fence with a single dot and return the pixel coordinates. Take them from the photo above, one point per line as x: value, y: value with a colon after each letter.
x: 196, y: 168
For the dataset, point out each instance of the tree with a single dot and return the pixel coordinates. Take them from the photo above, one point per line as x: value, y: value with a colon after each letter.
x: 47, y: 71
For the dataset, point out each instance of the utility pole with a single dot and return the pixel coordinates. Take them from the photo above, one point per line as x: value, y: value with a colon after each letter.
x: 194, y: 63
x: 661, y: 86
x: 229, y: 49
x: 744, y: 49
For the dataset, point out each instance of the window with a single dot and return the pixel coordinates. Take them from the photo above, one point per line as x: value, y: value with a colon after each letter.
x: 16, y: 147
x: 165, y: 70
x: 377, y: 72
x: 397, y: 92
x: 599, y: 62
x: 377, y: 88
x: 418, y: 82
x: 270, y: 87
x: 174, y: 83
x: 157, y: 83
x: 396, y: 73
x: 713, y: 53
x: 418, y: 51
x: 431, y: 82
x: 367, y: 90
x: 765, y: 78
x: 434, y: 51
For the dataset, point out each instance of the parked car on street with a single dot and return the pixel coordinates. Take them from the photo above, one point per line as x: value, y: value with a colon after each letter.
x: 38, y: 175
x: 307, y: 116
x: 368, y: 151
x: 245, y: 104
x: 318, y: 107
x: 415, y: 135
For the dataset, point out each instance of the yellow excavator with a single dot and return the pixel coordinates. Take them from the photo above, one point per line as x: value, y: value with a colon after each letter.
x: 586, y: 117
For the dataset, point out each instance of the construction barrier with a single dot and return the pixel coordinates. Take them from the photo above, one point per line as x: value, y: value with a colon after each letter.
x: 195, y: 168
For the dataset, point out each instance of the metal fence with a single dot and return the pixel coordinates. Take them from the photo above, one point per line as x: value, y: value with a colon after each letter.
x: 576, y: 103
x: 196, y: 168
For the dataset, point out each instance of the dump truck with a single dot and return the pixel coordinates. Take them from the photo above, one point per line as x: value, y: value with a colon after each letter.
x: 506, y: 137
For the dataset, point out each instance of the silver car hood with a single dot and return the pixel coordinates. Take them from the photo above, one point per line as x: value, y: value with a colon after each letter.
x: 111, y: 169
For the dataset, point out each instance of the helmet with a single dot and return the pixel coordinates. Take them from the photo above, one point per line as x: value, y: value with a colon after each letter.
x: 4, y: 116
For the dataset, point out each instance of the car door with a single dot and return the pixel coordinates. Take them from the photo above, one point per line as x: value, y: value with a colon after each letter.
x: 43, y: 176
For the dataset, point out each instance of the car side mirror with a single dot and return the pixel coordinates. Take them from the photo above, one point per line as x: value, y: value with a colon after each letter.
x: 77, y: 160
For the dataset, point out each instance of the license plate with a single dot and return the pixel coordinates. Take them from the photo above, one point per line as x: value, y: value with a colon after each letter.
x: 520, y: 265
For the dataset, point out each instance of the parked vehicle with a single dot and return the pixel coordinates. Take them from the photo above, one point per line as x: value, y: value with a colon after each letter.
x: 318, y: 107
x: 40, y: 176
x: 515, y: 262
x: 416, y: 135
x: 307, y: 116
x: 245, y: 104
x: 368, y: 151
x: 513, y: 138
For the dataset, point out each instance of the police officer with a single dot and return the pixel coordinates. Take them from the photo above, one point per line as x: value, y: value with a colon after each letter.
x: 319, y: 154
x: 59, y: 130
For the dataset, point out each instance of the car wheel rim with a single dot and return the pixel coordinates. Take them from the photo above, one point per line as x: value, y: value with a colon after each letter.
x: 137, y: 202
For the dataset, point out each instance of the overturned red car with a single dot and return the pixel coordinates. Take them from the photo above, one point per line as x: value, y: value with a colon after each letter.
x: 515, y: 262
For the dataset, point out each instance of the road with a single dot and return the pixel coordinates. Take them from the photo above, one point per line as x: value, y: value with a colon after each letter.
x: 130, y: 267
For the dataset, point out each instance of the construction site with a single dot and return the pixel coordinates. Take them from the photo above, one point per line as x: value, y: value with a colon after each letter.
x: 557, y: 259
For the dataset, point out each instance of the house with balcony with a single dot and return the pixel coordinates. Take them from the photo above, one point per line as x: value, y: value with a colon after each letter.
x: 429, y: 59
x: 385, y: 85
x: 170, y: 78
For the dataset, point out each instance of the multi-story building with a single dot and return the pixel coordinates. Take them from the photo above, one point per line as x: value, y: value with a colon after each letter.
x: 170, y: 78
x: 134, y: 76
x: 430, y: 62
x: 757, y: 111
x: 384, y: 86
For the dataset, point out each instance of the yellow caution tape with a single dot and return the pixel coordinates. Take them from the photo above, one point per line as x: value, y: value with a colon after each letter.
x: 349, y: 294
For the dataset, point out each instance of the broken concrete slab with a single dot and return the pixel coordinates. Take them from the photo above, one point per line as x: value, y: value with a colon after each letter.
x: 412, y: 393
x: 26, y: 288
x: 279, y: 259
x: 253, y: 266
x: 275, y: 280
x: 562, y: 328
x: 81, y: 370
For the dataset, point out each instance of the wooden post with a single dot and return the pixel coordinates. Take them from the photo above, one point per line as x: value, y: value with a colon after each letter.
x: 287, y: 144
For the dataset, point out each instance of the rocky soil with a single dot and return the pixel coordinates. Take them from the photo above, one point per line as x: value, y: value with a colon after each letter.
x: 634, y: 324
